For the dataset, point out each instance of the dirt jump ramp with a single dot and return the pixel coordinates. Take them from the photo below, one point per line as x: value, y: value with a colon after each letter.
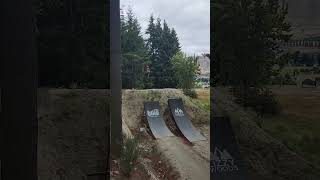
x: 155, y: 120
x: 226, y: 162
x: 183, y: 122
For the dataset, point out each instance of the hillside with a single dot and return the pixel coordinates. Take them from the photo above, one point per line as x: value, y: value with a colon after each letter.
x: 264, y: 154
x: 190, y: 161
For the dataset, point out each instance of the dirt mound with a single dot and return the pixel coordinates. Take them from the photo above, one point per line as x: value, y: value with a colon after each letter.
x: 191, y: 161
x: 72, y: 140
x: 265, y: 155
x: 132, y: 105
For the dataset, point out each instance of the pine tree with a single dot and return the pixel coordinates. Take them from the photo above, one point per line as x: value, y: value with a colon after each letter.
x: 169, y: 47
x: 134, y: 52
x: 150, y: 31
x: 153, y: 42
x: 246, y: 40
x: 163, y: 44
x: 174, y: 41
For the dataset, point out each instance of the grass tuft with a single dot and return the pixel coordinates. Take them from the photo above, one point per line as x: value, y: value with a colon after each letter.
x: 129, y: 156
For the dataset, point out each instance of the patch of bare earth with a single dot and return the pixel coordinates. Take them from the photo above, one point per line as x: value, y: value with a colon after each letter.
x: 72, y: 136
x: 151, y: 163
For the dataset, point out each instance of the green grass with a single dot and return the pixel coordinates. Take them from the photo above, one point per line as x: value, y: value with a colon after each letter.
x: 129, y: 155
x: 202, y: 104
x: 301, y: 135
x: 299, y: 123
x: 203, y: 100
x: 151, y: 95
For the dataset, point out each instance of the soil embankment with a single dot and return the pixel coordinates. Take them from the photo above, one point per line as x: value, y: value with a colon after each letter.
x: 190, y: 161
x: 72, y: 137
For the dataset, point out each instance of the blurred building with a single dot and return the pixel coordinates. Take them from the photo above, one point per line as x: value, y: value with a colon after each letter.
x: 304, y: 16
x: 203, y: 77
x: 204, y: 65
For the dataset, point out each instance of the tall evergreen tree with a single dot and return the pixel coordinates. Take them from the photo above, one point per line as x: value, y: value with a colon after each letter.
x: 150, y: 31
x: 168, y: 50
x: 174, y: 41
x: 163, y: 44
x: 134, y: 53
x: 154, y: 31
x: 246, y: 40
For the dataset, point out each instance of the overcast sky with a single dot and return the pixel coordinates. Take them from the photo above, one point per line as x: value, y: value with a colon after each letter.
x: 190, y: 18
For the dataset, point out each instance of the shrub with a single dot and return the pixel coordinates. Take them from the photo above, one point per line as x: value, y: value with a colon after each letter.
x: 261, y: 101
x: 289, y: 80
x: 129, y: 155
x: 190, y: 92
x: 308, y: 82
x: 186, y: 69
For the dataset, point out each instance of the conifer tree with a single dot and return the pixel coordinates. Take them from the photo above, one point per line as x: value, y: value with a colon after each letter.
x: 246, y: 38
x: 163, y: 44
x: 134, y: 52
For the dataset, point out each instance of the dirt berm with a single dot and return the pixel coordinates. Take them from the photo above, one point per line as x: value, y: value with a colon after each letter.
x: 190, y: 161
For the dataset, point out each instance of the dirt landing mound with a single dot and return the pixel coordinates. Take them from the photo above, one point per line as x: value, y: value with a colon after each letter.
x: 191, y: 161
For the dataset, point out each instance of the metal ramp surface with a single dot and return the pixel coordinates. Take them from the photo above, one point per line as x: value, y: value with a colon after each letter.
x: 183, y: 122
x: 155, y: 120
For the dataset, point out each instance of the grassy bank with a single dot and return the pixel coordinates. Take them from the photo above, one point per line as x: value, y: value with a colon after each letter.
x: 299, y: 123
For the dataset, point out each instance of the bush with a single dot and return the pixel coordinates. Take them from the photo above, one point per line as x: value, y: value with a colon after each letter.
x: 190, y: 92
x: 289, y: 80
x: 261, y: 101
x: 186, y: 69
x: 309, y: 82
x: 129, y: 155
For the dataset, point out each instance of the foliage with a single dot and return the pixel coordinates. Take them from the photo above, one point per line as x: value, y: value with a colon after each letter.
x: 130, y: 153
x: 134, y: 58
x: 162, y: 44
x: 73, y: 47
x: 261, y: 101
x: 302, y: 138
x: 190, y: 92
x: 309, y: 82
x: 286, y: 79
x: 72, y: 43
x: 186, y: 69
x: 155, y: 52
x: 246, y: 40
